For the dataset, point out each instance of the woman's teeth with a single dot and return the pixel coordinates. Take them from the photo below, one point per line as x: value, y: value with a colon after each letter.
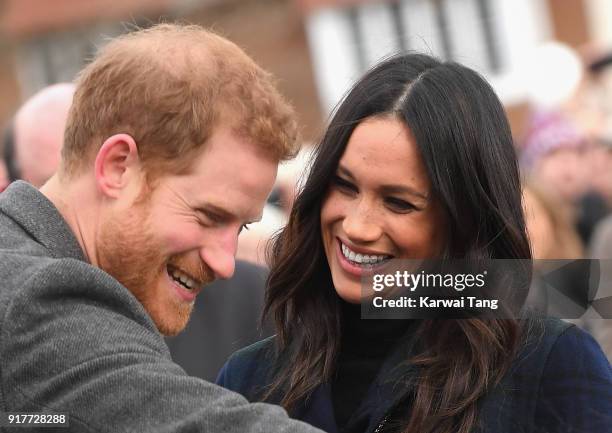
x: 183, y: 279
x: 362, y: 259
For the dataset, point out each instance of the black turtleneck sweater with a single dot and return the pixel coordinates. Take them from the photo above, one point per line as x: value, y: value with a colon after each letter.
x: 365, y: 343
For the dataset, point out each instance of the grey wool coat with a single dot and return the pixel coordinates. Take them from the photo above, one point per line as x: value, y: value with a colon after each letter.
x: 74, y: 340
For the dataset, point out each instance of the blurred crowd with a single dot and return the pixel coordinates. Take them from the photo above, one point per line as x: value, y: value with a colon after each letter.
x: 566, y: 155
x: 566, y: 160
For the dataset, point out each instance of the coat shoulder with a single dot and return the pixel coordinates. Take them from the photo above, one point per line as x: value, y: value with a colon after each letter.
x: 257, y: 352
x: 249, y: 371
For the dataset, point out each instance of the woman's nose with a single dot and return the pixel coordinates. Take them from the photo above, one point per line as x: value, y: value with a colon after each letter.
x: 361, y: 225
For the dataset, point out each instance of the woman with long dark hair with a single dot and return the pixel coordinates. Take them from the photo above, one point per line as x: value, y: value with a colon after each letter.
x: 418, y: 162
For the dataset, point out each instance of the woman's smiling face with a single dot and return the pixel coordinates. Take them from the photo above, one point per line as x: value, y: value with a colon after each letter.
x: 379, y: 205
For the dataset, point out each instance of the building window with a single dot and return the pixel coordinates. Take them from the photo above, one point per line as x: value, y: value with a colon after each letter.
x: 489, y: 36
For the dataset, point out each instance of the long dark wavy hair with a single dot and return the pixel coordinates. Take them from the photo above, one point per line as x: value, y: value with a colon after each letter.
x: 465, y: 142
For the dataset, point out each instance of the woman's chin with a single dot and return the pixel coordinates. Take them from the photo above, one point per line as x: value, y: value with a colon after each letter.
x: 352, y: 295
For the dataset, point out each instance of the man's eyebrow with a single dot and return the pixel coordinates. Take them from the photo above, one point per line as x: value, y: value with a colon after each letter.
x: 222, y: 213
x: 216, y: 210
x: 388, y: 189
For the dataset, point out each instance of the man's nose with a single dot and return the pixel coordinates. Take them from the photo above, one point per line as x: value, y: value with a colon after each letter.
x: 220, y: 256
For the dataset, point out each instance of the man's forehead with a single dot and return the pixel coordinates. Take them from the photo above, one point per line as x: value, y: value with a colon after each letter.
x: 230, y: 176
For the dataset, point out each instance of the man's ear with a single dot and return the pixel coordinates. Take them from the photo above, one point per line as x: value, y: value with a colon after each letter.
x: 117, y: 163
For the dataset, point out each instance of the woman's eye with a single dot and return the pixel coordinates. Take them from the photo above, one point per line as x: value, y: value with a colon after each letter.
x: 344, y: 185
x: 244, y: 227
x: 399, y: 205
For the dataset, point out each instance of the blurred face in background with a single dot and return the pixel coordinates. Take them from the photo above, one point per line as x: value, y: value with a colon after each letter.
x: 38, y: 133
x: 379, y: 206
x: 564, y: 171
x: 550, y: 226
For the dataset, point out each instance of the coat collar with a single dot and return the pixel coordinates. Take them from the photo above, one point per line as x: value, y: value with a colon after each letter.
x: 389, y: 388
x: 31, y: 210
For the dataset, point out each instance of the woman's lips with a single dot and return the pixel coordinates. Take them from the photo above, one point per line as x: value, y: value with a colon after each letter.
x: 353, y: 269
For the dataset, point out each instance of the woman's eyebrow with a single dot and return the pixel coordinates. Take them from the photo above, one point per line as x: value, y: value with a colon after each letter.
x: 403, y: 189
x: 345, y: 171
x: 388, y: 189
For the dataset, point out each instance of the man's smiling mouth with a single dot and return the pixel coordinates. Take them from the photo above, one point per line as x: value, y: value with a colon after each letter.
x: 184, y: 279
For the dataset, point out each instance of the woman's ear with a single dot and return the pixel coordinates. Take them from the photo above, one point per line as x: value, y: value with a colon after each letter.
x: 117, y: 164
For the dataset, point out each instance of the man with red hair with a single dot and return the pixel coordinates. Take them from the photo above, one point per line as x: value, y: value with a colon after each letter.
x: 171, y: 148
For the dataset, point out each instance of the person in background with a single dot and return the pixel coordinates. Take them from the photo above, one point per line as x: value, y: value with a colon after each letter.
x: 549, y: 225
x: 553, y: 153
x: 557, y: 154
x: 171, y: 149
x: 562, y: 148
x: 33, y: 143
x: 555, y: 243
x: 418, y: 162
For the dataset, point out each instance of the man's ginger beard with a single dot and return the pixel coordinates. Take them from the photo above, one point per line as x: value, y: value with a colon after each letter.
x: 133, y: 256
